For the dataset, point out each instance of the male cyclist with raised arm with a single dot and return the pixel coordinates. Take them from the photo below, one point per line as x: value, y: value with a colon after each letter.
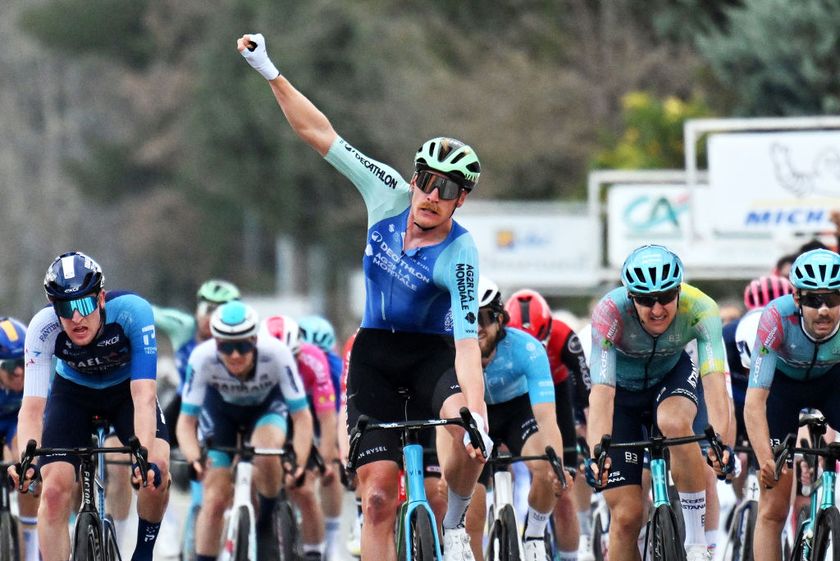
x: 642, y: 380
x: 795, y: 365
x: 106, y: 366
x: 520, y: 402
x: 12, y: 338
x: 420, y: 315
x: 529, y: 312
x: 239, y: 380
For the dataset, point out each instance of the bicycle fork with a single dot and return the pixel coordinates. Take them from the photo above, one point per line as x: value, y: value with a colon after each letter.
x: 241, y: 499
x: 416, y: 497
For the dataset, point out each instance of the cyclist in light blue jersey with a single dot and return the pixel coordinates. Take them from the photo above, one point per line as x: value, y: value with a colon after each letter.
x: 642, y: 379
x: 106, y: 355
x: 795, y: 365
x: 419, y: 328
x: 519, y: 393
x: 241, y: 380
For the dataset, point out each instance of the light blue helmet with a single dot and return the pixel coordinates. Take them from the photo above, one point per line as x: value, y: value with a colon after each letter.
x: 317, y: 331
x: 650, y: 269
x: 818, y: 269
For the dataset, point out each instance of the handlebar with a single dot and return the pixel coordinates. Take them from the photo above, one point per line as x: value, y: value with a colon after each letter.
x: 363, y: 424
x: 138, y: 452
x: 784, y: 451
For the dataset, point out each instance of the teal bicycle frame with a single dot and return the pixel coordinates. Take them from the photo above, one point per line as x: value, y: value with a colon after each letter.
x: 415, y: 496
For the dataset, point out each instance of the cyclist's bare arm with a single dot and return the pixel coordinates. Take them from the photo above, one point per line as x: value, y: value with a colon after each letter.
x: 329, y: 426
x: 717, y: 404
x: 30, y: 426
x: 546, y: 417
x: 469, y: 373
x: 306, y: 120
x: 302, y: 440
x: 186, y: 431
x: 144, y: 396
x: 601, y: 403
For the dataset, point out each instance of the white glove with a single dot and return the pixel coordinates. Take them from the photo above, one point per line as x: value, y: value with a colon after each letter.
x: 738, y: 467
x: 488, y: 442
x: 258, y: 58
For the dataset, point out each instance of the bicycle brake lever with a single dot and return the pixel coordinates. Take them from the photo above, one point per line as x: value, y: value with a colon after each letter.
x: 472, y: 430
x: 556, y: 465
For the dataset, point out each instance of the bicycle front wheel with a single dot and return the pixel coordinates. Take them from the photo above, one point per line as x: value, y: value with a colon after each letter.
x: 284, y: 546
x: 422, y: 536
x: 599, y: 540
x: 243, y: 529
x: 9, y: 546
x: 743, y: 528
x: 112, y: 550
x: 87, y: 542
x: 665, y: 544
x: 827, y: 535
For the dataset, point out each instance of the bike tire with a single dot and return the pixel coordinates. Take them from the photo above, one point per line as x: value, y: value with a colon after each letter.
x: 599, y: 534
x: 112, y: 549
x: 510, y: 534
x: 742, y: 529
x: 9, y: 545
x: 87, y: 539
x: 827, y: 535
x: 664, y: 544
x: 243, y: 529
x: 286, y: 537
x: 188, y: 537
x: 422, y: 536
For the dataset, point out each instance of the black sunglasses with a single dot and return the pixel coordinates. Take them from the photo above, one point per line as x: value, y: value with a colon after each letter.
x: 11, y: 364
x: 650, y: 300
x: 227, y: 347
x: 427, y: 181
x: 487, y: 316
x: 817, y: 299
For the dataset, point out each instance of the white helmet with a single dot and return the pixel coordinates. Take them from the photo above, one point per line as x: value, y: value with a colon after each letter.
x: 234, y: 320
x: 488, y: 293
x: 286, y: 329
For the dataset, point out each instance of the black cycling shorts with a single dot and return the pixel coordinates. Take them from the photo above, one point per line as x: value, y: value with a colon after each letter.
x: 382, y: 364
x: 788, y: 397
x: 70, y: 410
x: 634, y: 415
x: 512, y: 423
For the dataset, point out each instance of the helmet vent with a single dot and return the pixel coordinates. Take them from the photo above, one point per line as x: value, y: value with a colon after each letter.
x: 458, y: 157
x: 652, y: 272
x: 666, y: 270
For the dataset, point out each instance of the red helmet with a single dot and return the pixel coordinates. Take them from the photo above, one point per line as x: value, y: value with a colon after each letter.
x: 760, y: 291
x: 530, y: 312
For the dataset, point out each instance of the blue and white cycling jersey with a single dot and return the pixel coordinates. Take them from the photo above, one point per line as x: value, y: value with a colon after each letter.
x: 10, y: 402
x: 125, y: 348
x: 429, y: 289
x: 275, y: 365
x: 782, y: 344
x: 519, y: 366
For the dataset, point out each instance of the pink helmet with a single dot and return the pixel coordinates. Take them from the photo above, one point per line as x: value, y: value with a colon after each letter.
x: 759, y: 292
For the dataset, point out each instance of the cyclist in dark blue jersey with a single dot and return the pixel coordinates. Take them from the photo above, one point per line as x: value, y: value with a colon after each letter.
x: 420, y: 321
x: 12, y: 337
x: 106, y: 363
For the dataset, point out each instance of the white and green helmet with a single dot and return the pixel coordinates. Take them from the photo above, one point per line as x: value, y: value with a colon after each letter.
x: 452, y: 157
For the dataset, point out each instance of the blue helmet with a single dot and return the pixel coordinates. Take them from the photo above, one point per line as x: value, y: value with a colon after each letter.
x: 317, y: 331
x: 816, y: 269
x: 12, y: 337
x: 73, y: 275
x: 651, y: 268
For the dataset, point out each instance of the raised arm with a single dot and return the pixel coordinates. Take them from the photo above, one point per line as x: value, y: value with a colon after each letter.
x: 306, y: 120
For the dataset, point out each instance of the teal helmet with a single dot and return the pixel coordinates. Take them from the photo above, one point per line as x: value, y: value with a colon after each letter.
x: 818, y: 269
x: 234, y: 320
x: 451, y: 157
x: 217, y: 291
x: 650, y: 269
x: 317, y: 331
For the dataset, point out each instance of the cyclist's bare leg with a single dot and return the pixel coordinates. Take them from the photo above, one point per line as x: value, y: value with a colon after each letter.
x: 674, y: 418
x: 712, y: 521
x: 118, y: 491
x: 626, y: 517
x: 57, y: 494
x: 476, y: 520
x: 436, y: 493
x: 310, y: 510
x: 218, y: 492
x: 541, y: 497
x: 378, y: 488
x: 460, y: 471
x: 773, y: 506
x: 267, y: 472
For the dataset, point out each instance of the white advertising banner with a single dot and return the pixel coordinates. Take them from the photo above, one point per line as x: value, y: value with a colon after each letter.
x: 774, y: 181
x: 642, y: 214
x: 540, y: 245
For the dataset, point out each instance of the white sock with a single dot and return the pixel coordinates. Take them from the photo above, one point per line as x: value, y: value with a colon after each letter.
x: 566, y: 556
x: 535, y: 527
x: 584, y: 522
x: 316, y: 547
x: 332, y: 527
x: 694, y: 514
x: 30, y: 537
x: 712, y: 539
x: 455, y: 511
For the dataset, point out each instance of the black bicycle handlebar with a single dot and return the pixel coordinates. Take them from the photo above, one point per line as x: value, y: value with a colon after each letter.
x: 787, y: 448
